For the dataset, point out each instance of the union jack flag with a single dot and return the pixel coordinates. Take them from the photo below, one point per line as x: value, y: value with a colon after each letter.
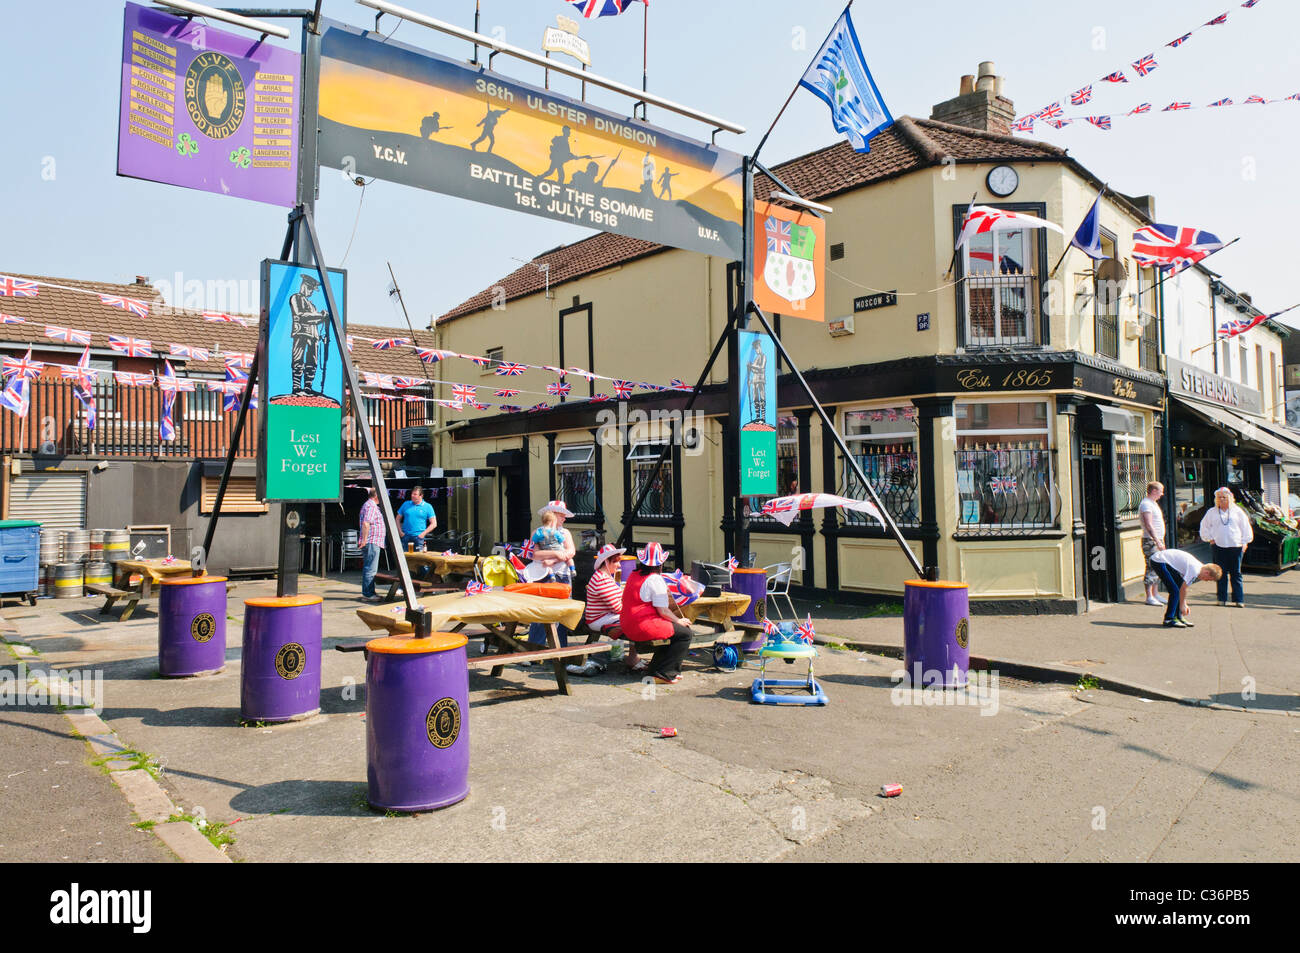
x: 412, y: 399
x: 682, y: 587
x: 590, y: 9
x: 1220, y: 19
x: 1049, y: 112
x: 477, y: 406
x: 515, y: 561
x: 1249, y: 3
x: 132, y: 379
x: 1174, y: 107
x: 166, y: 427
x: 453, y: 404
x: 1024, y: 124
x: 239, y: 360
x: 510, y: 409
x: 11, y: 319
x: 404, y: 383
x: 15, y: 396
x: 581, y: 373
x: 778, y: 235
x: 384, y: 381
x: 1225, y: 101
x: 67, y: 335
x: 623, y: 389
x: 1146, y: 64
x: 536, y: 407
x: 388, y: 344
x: 351, y: 342
x: 1237, y: 326
x: 506, y: 392
x: 1059, y: 123
x: 1081, y: 96
x: 675, y: 384
x: 805, y: 630
x: 131, y: 347
x: 1180, y: 41
x: 474, y: 587
x: 17, y: 287
x: 1115, y: 77
x: 188, y: 352
x: 1256, y: 99
x: 560, y: 388
x: 1137, y: 110
x: 1003, y: 484
x: 383, y: 397
x: 600, y: 398
x: 770, y: 627
x: 464, y: 392
x: 559, y: 371
x: 510, y: 370
x: 223, y: 317
x: 477, y: 359
x: 647, y: 386
x: 87, y: 399
x: 81, y: 372
x: 732, y: 563
x: 134, y: 305
x: 23, y: 367
x: 1101, y: 122
x: 431, y: 355
x: 1295, y: 96
x: 1173, y: 246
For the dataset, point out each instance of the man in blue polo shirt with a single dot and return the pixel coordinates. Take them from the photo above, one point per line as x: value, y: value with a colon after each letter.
x: 417, y: 519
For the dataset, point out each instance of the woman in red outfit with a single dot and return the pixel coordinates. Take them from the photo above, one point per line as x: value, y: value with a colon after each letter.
x: 650, y: 613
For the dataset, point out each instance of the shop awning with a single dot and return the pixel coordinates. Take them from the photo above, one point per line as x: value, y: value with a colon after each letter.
x: 1246, y: 429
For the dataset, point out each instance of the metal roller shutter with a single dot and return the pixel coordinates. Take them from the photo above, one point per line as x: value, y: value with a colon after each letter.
x: 55, y: 500
x: 1271, y: 478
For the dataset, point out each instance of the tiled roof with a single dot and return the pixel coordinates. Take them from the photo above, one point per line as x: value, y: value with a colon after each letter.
x: 906, y: 146
x: 165, y: 325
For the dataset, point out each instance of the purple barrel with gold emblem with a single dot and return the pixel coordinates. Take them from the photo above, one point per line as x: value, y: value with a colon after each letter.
x: 752, y: 583
x: 191, y: 626
x: 417, y: 721
x: 626, y: 566
x: 280, y: 671
x: 936, y: 633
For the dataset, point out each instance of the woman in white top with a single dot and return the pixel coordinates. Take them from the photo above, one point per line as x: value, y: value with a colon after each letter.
x: 1228, y: 528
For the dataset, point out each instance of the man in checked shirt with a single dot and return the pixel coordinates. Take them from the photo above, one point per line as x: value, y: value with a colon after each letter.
x: 371, y: 541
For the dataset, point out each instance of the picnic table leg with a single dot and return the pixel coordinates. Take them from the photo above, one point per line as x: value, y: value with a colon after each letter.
x: 132, y: 600
x: 505, y: 643
x: 561, y: 676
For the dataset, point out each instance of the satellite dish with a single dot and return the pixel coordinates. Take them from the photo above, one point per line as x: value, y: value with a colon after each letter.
x: 1112, y: 278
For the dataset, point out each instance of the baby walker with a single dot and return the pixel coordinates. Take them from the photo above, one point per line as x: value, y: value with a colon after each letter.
x: 782, y: 643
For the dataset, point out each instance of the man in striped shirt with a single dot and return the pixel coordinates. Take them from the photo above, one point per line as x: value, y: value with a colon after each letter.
x: 371, y: 541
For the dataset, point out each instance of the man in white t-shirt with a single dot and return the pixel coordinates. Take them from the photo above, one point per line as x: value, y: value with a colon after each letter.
x: 1153, y: 537
x: 1178, y: 570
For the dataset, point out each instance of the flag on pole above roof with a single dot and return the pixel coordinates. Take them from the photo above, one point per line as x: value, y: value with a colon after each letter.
x: 1088, y: 237
x: 839, y: 76
x: 590, y: 9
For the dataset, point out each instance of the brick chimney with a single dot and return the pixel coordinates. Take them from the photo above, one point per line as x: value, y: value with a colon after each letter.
x: 979, y: 104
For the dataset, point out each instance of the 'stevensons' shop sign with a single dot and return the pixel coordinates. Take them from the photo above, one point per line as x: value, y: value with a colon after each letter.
x: 302, y: 378
x: 1191, y: 381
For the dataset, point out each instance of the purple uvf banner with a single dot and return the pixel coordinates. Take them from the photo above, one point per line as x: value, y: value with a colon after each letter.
x: 207, y: 109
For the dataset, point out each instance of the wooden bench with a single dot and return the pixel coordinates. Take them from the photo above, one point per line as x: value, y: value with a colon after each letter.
x: 421, y: 587
x: 111, y: 595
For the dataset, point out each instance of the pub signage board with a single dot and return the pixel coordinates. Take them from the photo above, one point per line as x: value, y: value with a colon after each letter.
x: 415, y: 118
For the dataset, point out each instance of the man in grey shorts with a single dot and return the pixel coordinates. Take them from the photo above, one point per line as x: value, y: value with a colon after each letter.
x: 1153, y: 537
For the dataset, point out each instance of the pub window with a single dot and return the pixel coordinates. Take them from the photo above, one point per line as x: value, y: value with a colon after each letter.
x: 787, y: 464
x: 659, y: 501
x: 1006, y: 467
x: 241, y: 496
x: 1105, y: 307
x: 495, y: 356
x: 1149, y: 345
x: 1000, y: 290
x: 575, y: 477
x: 1134, y: 469
x: 883, y: 442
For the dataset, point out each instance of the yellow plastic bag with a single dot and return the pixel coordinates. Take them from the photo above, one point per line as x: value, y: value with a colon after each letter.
x: 498, y: 572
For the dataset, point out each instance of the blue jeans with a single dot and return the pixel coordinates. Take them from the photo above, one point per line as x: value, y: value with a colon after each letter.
x: 420, y: 542
x: 1173, y: 581
x: 369, y: 566
x: 536, y: 630
x: 1229, y: 560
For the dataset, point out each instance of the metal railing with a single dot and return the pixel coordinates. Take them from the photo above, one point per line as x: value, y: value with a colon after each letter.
x: 659, y: 501
x: 891, y: 470
x: 1006, y: 490
x: 127, y: 425
x: 1001, y: 310
x: 1133, y: 471
x: 576, y: 486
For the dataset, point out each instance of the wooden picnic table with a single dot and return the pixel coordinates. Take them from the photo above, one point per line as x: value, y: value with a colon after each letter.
x: 151, y: 571
x: 717, y: 611
x: 500, y: 614
x: 441, y: 565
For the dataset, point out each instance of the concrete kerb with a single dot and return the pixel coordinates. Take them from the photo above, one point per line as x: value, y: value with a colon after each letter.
x: 1038, y: 672
x: 143, y: 793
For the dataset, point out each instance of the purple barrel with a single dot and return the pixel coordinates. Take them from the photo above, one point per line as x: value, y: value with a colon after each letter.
x: 191, y: 626
x: 752, y: 583
x: 936, y: 633
x: 417, y: 722
x: 280, y: 673
x: 626, y: 566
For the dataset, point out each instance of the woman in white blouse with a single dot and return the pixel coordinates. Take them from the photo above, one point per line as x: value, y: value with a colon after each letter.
x: 1228, y: 528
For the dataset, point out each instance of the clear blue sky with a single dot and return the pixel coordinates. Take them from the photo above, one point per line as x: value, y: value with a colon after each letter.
x: 1230, y: 171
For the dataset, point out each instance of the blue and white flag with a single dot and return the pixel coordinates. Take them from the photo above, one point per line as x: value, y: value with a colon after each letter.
x: 1088, y: 238
x: 840, y: 77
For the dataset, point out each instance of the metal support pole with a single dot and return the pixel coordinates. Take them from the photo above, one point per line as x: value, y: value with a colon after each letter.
x: 839, y: 441
x: 419, y: 617
x: 235, y: 434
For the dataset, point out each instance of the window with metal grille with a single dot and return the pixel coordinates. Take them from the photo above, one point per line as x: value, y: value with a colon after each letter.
x: 1000, y: 290
x: 575, y: 478
x: 1006, y: 468
x: 1149, y: 345
x: 202, y: 404
x: 659, y: 500
x: 1134, y: 469
x: 883, y: 442
x: 241, y: 496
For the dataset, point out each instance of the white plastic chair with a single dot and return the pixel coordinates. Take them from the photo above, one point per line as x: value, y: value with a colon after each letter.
x: 349, y: 548
x: 778, y: 586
